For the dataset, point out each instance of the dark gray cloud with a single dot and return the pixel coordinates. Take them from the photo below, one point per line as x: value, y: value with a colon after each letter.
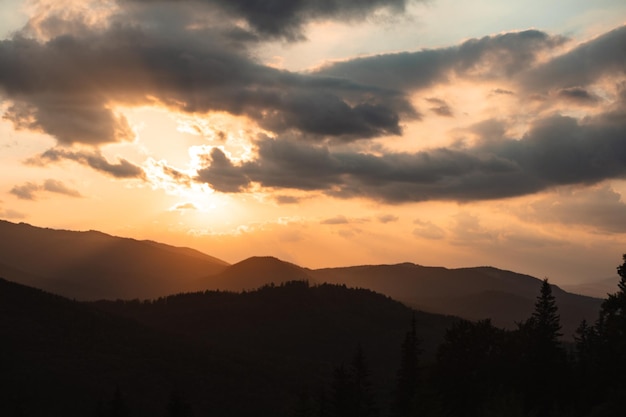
x: 65, y: 87
x: 93, y: 159
x: 577, y: 95
x: 582, y: 65
x: 29, y: 190
x: 222, y: 174
x: 557, y: 150
x: 287, y: 18
x: 488, y: 57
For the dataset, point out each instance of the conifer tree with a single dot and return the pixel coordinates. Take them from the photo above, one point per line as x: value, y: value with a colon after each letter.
x: 611, y: 330
x: 363, y: 395
x: 406, y: 392
x: 545, y: 365
x: 340, y: 396
x: 545, y: 318
x: 177, y: 407
x: 351, y: 390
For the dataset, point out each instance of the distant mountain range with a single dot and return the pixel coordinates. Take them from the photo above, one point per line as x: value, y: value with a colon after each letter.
x: 92, y: 265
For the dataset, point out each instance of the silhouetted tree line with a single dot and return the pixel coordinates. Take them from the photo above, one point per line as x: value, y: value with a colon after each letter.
x: 485, y: 371
x: 479, y: 371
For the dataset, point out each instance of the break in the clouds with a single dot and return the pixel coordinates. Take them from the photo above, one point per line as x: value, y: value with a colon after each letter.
x: 93, y: 159
x: 30, y: 190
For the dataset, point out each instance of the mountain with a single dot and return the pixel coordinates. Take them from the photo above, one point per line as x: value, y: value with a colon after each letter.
x: 598, y: 288
x: 227, y: 354
x: 472, y: 293
x: 92, y: 265
x: 255, y: 272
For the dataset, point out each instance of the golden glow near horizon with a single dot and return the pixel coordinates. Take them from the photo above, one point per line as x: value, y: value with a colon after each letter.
x: 147, y: 176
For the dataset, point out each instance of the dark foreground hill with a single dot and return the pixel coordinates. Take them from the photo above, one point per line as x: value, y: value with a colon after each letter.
x: 93, y: 265
x: 226, y: 354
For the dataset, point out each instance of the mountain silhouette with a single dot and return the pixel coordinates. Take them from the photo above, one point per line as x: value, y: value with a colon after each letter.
x: 255, y: 272
x: 472, y: 293
x: 92, y: 265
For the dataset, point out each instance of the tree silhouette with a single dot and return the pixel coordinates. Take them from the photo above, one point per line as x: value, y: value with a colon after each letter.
x: 545, y: 365
x: 471, y: 363
x: 363, y: 395
x: 340, y: 397
x: 611, y: 333
x: 406, y: 392
x: 351, y: 389
x: 177, y: 407
x: 545, y: 319
x: 117, y: 407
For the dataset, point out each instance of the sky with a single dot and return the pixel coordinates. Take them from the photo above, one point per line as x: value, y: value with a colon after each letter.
x: 333, y: 133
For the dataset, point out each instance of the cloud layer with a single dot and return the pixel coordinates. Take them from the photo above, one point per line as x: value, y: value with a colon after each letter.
x: 324, y: 130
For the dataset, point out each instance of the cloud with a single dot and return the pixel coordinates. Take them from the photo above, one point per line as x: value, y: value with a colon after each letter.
x: 496, y: 167
x: 25, y: 191
x: 582, y: 65
x: 9, y: 213
x: 428, y: 230
x: 599, y: 207
x: 287, y: 18
x: 440, y: 108
x: 29, y: 190
x: 69, y: 85
x: 502, y: 91
x: 387, y: 218
x: 336, y: 220
x: 286, y: 199
x: 184, y: 206
x: 93, y: 159
x: 577, y: 95
x: 55, y: 186
x: 222, y: 174
x: 488, y: 57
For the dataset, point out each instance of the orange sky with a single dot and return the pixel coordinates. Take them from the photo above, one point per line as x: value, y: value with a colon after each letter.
x: 404, y: 131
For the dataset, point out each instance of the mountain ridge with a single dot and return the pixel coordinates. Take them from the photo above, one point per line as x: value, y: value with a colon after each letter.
x: 149, y: 269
